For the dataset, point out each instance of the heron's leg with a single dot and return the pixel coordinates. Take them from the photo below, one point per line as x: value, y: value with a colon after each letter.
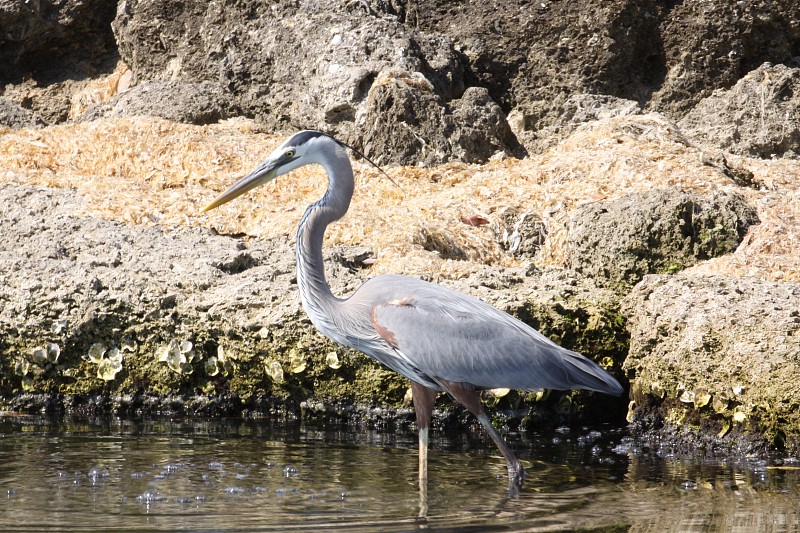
x: 424, y: 399
x: 466, y: 395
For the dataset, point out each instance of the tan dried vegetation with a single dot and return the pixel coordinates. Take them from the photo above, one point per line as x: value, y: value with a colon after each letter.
x: 149, y: 171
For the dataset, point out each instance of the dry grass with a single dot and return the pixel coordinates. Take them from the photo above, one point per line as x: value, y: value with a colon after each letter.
x: 149, y: 171
x: 99, y: 90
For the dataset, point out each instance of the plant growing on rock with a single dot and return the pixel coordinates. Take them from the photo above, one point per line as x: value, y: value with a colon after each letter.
x: 178, y: 356
x: 108, y: 361
x: 38, y: 361
x: 222, y: 363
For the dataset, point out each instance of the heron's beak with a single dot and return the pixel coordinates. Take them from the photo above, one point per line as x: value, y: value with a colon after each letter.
x: 261, y: 175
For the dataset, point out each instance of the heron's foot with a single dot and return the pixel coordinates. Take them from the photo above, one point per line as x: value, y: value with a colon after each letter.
x: 516, y: 475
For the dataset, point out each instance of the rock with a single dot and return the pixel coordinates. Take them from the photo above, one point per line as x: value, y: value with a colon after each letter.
x: 709, y: 46
x: 717, y: 354
x: 480, y: 129
x: 48, y: 51
x: 577, y: 109
x: 532, y: 57
x: 312, y: 64
x: 521, y: 235
x: 400, y: 107
x: 186, y: 310
x: 191, y: 103
x: 404, y: 121
x: 15, y: 116
x: 618, y: 242
x: 51, y: 103
x: 54, y: 40
x: 81, y: 282
x: 314, y: 67
x: 353, y: 257
x: 757, y: 117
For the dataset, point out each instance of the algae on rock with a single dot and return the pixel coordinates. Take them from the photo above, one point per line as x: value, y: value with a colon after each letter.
x: 692, y: 346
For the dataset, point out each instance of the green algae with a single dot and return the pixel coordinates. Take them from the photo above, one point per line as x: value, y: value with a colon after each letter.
x: 596, y: 331
x: 725, y: 410
x: 169, y: 354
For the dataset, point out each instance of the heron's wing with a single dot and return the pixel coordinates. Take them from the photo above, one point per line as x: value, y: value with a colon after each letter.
x: 449, y: 335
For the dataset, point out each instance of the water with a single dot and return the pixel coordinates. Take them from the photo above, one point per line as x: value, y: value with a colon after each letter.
x: 201, y: 475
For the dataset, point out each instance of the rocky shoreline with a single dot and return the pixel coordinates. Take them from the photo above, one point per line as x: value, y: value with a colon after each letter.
x: 676, y: 266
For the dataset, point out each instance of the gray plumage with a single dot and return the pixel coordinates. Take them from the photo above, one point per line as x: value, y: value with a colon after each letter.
x: 428, y: 333
x: 438, y: 338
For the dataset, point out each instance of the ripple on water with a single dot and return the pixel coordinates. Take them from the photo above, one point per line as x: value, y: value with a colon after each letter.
x: 248, y: 477
x: 150, y: 495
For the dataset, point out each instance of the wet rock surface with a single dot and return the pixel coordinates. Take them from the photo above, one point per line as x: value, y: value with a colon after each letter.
x: 692, y: 350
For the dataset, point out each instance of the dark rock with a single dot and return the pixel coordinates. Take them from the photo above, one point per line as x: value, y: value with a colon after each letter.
x: 313, y: 66
x: 480, y: 129
x: 53, y: 41
x: 533, y: 56
x: 711, y: 45
x: 757, y: 117
x: 15, y: 116
x: 402, y: 107
x: 618, y: 242
x: 665, y: 56
x: 550, y: 65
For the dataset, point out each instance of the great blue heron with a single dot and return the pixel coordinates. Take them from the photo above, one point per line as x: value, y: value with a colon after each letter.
x: 440, y: 339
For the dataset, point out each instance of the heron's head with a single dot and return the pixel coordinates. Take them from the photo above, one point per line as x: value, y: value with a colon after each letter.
x: 300, y: 149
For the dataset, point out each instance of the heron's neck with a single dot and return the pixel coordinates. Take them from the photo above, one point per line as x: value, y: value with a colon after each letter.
x: 314, y: 290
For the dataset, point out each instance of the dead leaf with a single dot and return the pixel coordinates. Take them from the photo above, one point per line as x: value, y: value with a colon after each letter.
x: 474, y: 220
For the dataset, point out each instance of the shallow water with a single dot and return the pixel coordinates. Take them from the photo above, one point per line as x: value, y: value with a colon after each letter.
x: 201, y: 475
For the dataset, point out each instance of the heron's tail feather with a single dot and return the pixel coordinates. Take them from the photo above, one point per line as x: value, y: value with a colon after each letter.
x: 585, y: 374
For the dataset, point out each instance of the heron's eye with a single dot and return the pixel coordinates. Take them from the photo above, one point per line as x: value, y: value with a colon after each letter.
x: 289, y: 154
